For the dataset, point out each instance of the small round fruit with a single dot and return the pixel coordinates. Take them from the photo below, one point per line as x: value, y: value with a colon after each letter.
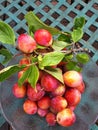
x: 73, y: 96
x: 43, y: 37
x: 51, y: 119
x: 58, y: 103
x: 59, y: 91
x: 30, y: 107
x: 49, y: 83
x: 24, y: 61
x: 26, y: 43
x: 72, y: 78
x: 66, y: 117
x: 35, y: 94
x: 44, y: 102
x: 42, y: 112
x: 19, y: 91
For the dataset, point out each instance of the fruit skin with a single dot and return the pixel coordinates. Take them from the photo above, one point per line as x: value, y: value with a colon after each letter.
x: 72, y: 78
x: 35, y: 94
x: 52, y: 110
x: 24, y: 61
x: 81, y: 87
x: 44, y: 102
x: 42, y: 112
x: 72, y: 107
x: 73, y: 96
x: 41, y: 73
x: 43, y: 37
x: 59, y: 91
x: 26, y: 43
x: 30, y: 107
x: 20, y: 74
x: 51, y: 119
x: 58, y: 103
x: 19, y: 91
x: 49, y: 83
x: 66, y: 117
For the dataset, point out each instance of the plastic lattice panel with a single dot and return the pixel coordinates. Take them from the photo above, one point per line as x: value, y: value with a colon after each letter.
x: 57, y: 13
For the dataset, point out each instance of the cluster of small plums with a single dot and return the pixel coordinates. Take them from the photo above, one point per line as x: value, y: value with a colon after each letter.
x: 50, y: 98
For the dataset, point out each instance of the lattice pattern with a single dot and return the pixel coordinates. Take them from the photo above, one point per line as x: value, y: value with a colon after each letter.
x: 57, y: 13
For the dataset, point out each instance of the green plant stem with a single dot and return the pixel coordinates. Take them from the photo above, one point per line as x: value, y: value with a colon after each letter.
x: 67, y: 34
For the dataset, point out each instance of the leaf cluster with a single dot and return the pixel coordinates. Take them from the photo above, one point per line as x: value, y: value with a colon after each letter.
x: 63, y: 49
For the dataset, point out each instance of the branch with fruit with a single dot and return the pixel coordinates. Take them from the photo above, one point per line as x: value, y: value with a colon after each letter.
x: 49, y: 72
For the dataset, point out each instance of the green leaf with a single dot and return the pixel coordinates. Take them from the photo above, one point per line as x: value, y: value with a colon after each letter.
x: 55, y: 72
x: 65, y: 38
x: 6, y: 33
x: 6, y: 54
x: 24, y: 76
x: 34, y: 59
x: 36, y: 24
x: 77, y: 34
x: 59, y: 45
x: 52, y: 58
x: 33, y: 76
x: 68, y: 57
x: 83, y: 57
x: 73, y: 66
x: 79, y: 22
x: 31, y: 31
x: 8, y: 71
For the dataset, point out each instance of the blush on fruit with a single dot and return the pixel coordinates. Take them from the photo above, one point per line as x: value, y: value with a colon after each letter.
x: 26, y: 43
x: 42, y: 112
x: 20, y: 74
x: 52, y: 110
x: 71, y: 107
x: 66, y: 117
x: 81, y: 87
x: 72, y: 78
x: 43, y: 37
x: 30, y: 107
x: 58, y: 103
x: 51, y: 119
x: 19, y: 91
x: 73, y: 96
x: 35, y: 94
x: 59, y: 91
x: 49, y: 83
x: 24, y: 61
x: 44, y: 102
